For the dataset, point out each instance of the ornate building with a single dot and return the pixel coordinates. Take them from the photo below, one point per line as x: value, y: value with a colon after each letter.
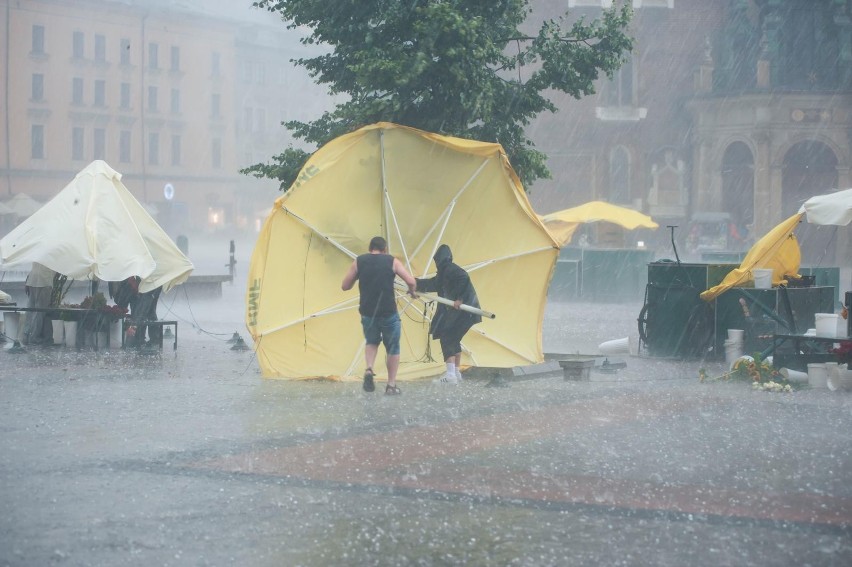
x: 736, y: 107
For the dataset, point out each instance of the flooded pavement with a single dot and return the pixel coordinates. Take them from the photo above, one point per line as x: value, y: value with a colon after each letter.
x: 191, y: 458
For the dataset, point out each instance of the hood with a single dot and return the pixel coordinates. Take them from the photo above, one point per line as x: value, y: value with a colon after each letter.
x: 443, y: 256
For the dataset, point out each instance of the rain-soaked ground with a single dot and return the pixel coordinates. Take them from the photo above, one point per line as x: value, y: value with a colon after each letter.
x: 191, y: 458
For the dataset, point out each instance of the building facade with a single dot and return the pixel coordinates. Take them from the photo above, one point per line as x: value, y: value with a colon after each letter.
x: 732, y: 109
x: 173, y: 96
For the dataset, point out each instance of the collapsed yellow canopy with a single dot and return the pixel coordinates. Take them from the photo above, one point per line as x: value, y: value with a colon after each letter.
x: 562, y: 224
x: 778, y: 250
x: 418, y: 190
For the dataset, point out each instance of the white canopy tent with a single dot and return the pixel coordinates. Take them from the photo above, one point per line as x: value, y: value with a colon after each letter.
x: 831, y: 208
x: 95, y: 227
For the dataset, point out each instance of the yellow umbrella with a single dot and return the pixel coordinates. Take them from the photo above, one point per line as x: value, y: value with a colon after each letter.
x: 778, y: 250
x: 418, y: 190
x: 562, y: 224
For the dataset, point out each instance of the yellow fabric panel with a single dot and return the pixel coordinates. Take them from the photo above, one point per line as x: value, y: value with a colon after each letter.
x: 778, y: 249
x: 562, y: 224
x: 418, y: 190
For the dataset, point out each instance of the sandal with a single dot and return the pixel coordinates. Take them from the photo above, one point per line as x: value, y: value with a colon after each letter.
x: 392, y: 390
x: 369, y: 385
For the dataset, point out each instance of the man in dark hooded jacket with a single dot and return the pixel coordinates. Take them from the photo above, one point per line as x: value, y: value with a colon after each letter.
x: 450, y: 324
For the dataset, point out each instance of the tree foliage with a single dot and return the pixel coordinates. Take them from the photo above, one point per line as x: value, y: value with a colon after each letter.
x: 454, y: 67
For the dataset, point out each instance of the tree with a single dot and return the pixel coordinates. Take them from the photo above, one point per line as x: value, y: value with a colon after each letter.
x: 454, y: 67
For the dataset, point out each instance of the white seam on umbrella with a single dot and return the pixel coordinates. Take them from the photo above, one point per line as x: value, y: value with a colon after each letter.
x: 478, y: 265
x: 355, y: 359
x: 410, y: 303
x: 447, y: 215
x: 320, y: 233
x: 448, y: 210
x: 389, y: 206
x: 329, y: 311
x: 384, y: 184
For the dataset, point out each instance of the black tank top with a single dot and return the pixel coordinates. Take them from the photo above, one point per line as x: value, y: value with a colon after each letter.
x: 375, y: 282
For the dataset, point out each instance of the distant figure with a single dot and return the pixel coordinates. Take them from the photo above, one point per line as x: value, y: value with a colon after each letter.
x: 143, y: 307
x: 38, y: 287
x: 380, y: 321
x: 450, y: 324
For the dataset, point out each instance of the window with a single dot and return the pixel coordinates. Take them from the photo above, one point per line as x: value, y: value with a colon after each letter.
x: 260, y: 120
x: 100, y: 92
x: 215, y: 62
x: 38, y: 40
x: 248, y: 72
x: 618, y: 96
x: 619, y: 175
x: 124, y: 146
x: 215, y: 101
x: 216, y: 153
x: 152, y: 99
x: 100, y: 48
x: 77, y: 90
x: 38, y: 87
x: 619, y: 91
x: 125, y: 51
x: 77, y: 45
x: 37, y: 141
x: 175, y: 101
x: 175, y: 149
x: 77, y: 143
x: 100, y: 144
x: 125, y: 95
x: 152, y: 56
x: 261, y: 74
x: 175, y: 59
x: 153, y: 148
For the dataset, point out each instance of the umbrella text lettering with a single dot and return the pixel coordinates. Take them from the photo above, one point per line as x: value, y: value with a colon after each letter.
x: 254, y: 294
x: 306, y: 174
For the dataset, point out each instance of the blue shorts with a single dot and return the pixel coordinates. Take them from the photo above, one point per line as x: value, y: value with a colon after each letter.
x: 383, y: 329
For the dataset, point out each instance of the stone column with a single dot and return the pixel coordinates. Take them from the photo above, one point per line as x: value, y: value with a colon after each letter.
x: 702, y: 198
x: 765, y: 188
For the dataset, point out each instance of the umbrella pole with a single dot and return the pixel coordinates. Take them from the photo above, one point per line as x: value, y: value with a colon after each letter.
x: 463, y: 307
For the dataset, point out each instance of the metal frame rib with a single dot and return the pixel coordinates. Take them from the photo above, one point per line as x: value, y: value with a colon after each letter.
x: 320, y: 233
x: 445, y: 216
x: 390, y: 213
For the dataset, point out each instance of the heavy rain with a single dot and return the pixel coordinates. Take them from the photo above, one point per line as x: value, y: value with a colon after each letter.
x: 666, y: 377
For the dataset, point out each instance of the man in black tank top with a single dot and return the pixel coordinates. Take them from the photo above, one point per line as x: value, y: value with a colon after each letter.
x: 376, y: 272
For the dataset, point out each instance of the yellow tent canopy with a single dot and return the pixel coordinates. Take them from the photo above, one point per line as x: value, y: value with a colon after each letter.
x: 418, y: 190
x: 778, y: 250
x: 562, y: 224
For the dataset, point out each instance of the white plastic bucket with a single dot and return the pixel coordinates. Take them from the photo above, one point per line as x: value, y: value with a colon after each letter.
x: 733, y: 352
x: 58, y: 331
x: 617, y: 346
x: 817, y: 375
x: 11, y: 325
x: 70, y: 333
x: 794, y: 375
x: 736, y: 335
x: 832, y: 376
x: 762, y: 278
x: 826, y: 324
x: 115, y: 335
